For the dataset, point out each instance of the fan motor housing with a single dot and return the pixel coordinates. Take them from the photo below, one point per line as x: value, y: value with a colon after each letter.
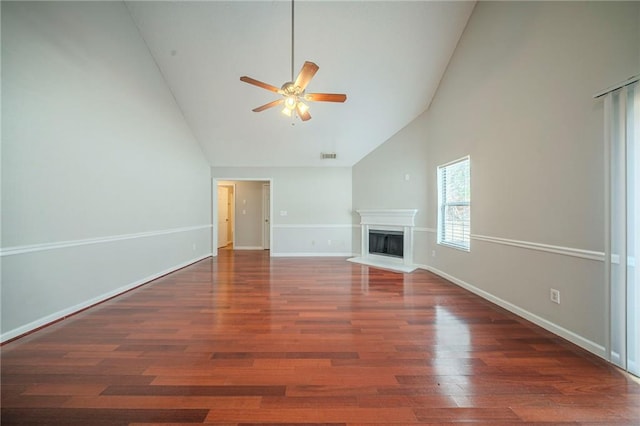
x: 290, y: 89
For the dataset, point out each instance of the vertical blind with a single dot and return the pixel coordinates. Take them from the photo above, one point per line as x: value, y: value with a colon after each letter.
x: 622, y: 152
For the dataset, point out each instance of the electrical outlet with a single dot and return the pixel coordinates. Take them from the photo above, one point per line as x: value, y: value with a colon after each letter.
x: 328, y: 242
x: 554, y: 295
x: 433, y: 253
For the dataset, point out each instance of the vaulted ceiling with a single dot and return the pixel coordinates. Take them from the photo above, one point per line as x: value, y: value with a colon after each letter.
x: 387, y: 56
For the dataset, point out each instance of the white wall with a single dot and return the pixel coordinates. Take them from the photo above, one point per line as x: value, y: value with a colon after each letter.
x: 517, y: 97
x: 103, y: 184
x: 317, y: 204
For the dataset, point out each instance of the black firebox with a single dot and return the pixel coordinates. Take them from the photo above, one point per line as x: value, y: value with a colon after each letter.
x: 386, y: 243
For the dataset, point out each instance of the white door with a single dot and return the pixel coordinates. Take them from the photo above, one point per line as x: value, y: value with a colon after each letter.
x: 266, y: 216
x: 223, y: 216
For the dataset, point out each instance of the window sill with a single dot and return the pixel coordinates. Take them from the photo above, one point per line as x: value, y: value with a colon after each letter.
x: 455, y: 246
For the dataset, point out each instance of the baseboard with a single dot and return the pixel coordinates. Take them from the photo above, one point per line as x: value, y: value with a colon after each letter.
x: 248, y: 248
x: 60, y: 315
x: 584, y: 343
x: 325, y: 254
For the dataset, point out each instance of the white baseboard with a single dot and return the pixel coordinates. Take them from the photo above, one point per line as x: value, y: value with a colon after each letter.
x: 34, y: 325
x: 248, y: 248
x: 546, y: 324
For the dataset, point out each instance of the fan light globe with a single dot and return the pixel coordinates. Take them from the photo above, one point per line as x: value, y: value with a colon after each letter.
x: 302, y: 107
x: 290, y: 102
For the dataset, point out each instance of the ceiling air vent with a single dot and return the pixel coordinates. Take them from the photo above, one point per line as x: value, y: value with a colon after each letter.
x: 328, y: 155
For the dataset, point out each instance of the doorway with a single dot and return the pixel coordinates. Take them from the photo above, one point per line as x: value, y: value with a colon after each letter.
x: 225, y: 216
x: 246, y: 222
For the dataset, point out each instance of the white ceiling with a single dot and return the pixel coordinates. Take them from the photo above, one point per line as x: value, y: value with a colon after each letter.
x: 387, y: 56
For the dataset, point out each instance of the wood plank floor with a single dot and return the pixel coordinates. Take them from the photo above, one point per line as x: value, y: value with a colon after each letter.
x: 243, y: 339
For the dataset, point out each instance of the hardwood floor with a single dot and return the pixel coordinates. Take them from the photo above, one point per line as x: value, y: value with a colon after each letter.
x: 243, y: 339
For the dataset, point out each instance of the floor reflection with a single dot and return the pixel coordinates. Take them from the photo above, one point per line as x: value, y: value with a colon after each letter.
x: 452, y: 339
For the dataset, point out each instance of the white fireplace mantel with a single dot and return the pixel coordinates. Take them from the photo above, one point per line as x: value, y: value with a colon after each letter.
x: 387, y: 217
x: 389, y: 220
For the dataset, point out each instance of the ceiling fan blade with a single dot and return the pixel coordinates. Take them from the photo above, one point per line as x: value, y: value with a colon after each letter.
x: 326, y: 97
x: 269, y: 105
x: 303, y: 114
x: 309, y: 69
x: 260, y: 84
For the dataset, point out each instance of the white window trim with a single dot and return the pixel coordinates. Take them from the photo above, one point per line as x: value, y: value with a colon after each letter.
x: 441, y: 207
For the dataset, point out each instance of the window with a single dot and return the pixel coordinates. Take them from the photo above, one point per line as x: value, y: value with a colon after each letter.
x: 454, y: 204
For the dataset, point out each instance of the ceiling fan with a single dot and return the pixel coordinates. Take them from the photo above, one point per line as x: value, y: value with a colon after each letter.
x: 293, y: 92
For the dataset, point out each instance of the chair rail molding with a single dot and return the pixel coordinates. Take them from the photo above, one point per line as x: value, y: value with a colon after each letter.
x: 10, y: 251
x: 566, y: 251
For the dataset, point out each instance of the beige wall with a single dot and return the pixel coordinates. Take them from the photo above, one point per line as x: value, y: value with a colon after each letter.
x: 517, y: 98
x: 103, y: 185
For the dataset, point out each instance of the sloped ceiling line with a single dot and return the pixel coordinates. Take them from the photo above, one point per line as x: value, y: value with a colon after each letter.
x: 388, y: 57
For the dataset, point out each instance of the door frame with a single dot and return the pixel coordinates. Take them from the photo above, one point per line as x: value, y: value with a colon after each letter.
x: 214, y: 209
x: 266, y: 187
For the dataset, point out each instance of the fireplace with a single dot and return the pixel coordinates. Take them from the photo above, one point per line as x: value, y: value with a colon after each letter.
x: 387, y: 239
x: 386, y: 243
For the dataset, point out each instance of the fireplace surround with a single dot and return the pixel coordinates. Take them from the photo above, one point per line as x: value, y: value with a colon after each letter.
x: 392, y: 222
